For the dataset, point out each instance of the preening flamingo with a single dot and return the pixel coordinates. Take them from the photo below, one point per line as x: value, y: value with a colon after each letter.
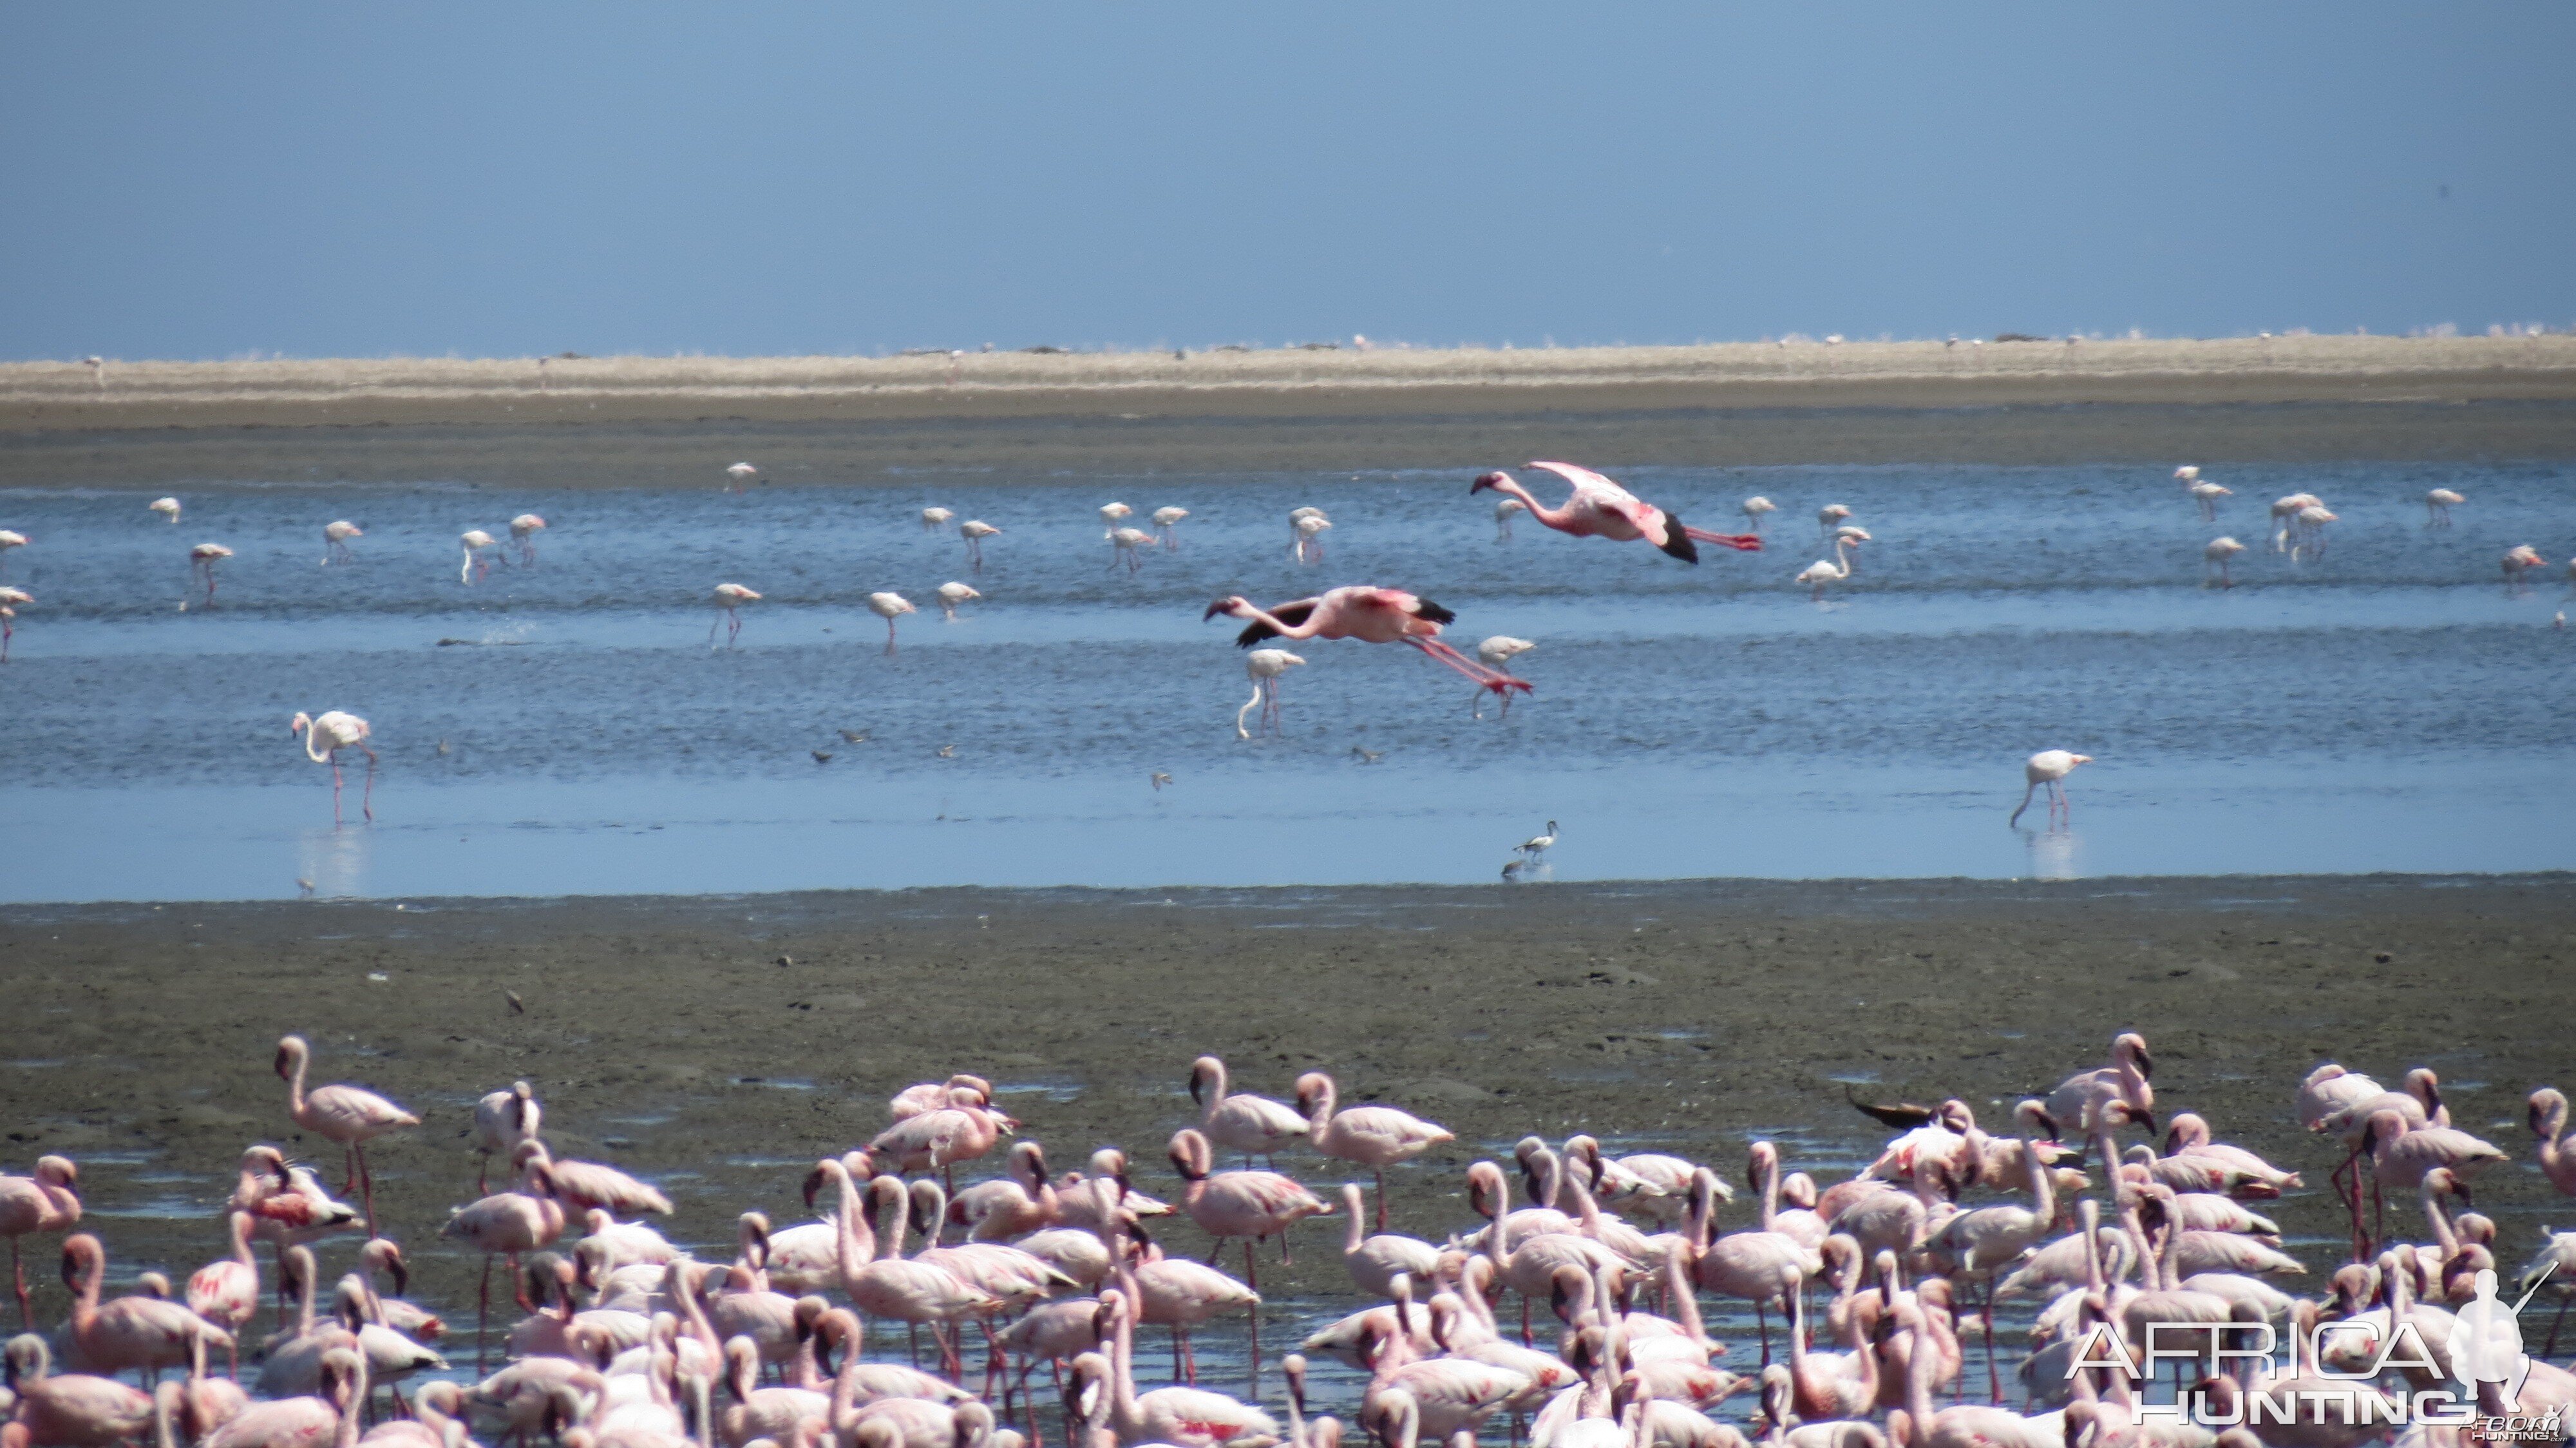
x: 889, y: 606
x: 1128, y: 545
x: 935, y: 519
x: 1375, y: 1137
x: 523, y: 531
x: 11, y: 600
x: 1504, y: 510
x: 2216, y: 555
x: 1816, y: 575
x: 335, y: 541
x: 2437, y: 507
x: 952, y: 594
x: 1494, y: 653
x: 1165, y: 520
x: 47, y: 1201
x: 2049, y: 767
x: 730, y: 597
x: 349, y: 1115
x: 478, y: 546
x: 168, y: 508
x: 1600, y: 508
x: 1263, y: 667
x: 975, y: 531
x: 324, y: 738
x: 1371, y: 615
x: 1753, y: 508
x: 738, y: 475
x: 202, y: 560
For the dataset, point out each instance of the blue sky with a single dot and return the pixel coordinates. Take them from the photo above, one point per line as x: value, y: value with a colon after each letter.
x: 328, y: 179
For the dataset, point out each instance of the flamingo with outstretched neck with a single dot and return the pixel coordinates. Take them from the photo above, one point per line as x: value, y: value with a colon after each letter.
x: 1371, y: 615
x: 1600, y: 508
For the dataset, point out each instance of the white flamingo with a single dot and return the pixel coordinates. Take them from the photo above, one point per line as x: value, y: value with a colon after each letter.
x: 1110, y: 513
x: 523, y: 532
x: 952, y: 594
x: 935, y: 519
x: 1496, y: 652
x: 1754, y: 507
x: 889, y: 606
x: 975, y: 531
x: 2217, y: 554
x: 1165, y: 520
x: 324, y: 738
x: 477, y: 545
x: 335, y: 541
x: 1128, y: 545
x: 202, y: 560
x: 1504, y: 512
x: 2437, y: 507
x: 730, y: 597
x: 1263, y: 667
x: 739, y: 475
x: 2049, y: 767
x: 168, y: 508
x: 1816, y: 575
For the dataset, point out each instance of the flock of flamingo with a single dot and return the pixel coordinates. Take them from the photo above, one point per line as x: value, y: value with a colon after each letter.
x: 1877, y: 1284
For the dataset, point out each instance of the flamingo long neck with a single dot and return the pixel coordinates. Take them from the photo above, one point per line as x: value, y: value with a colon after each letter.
x: 1552, y: 517
x: 1122, y: 1366
x: 1842, y: 556
x: 1918, y: 1386
x: 312, y: 736
x: 241, y: 1242
x: 2433, y: 1214
x: 1314, y: 623
x: 353, y: 1403
x: 894, y: 1236
x: 1353, y: 1228
x: 1319, y: 1121
x: 1216, y: 1086
x: 2089, y: 1219
x: 2043, y: 1186
x: 1770, y: 1189
x: 295, y: 1082
x: 1685, y: 1302
x: 856, y: 1239
x: 1207, y: 1114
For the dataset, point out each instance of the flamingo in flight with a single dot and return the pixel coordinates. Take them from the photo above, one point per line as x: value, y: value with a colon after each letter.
x: 1371, y: 615
x: 1600, y: 508
x: 324, y: 738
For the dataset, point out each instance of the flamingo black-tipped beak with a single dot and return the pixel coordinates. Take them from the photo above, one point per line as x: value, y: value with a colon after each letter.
x: 1213, y: 610
x: 1484, y: 481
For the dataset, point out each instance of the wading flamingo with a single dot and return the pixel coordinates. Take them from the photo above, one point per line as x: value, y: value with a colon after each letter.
x: 1375, y: 1137
x: 202, y: 560
x: 952, y: 594
x: 48, y: 1201
x: 2285, y: 517
x: 478, y: 546
x: 935, y: 519
x: 2311, y: 541
x: 225, y: 1291
x: 738, y: 476
x: 975, y: 531
x: 1110, y: 513
x: 349, y: 1115
x: 1128, y: 545
x: 79, y: 1409
x: 1754, y: 507
x: 1832, y: 516
x: 2437, y: 507
x: 324, y: 738
x: 1263, y: 667
x: 1252, y: 1125
x: 1165, y: 520
x: 2049, y: 767
x: 2216, y: 555
x: 141, y: 1333
x: 1371, y: 615
x: 503, y: 1224
x: 889, y: 606
x: 1600, y: 508
x: 1504, y: 510
x: 168, y: 508
x: 1309, y: 534
x: 523, y: 532
x: 11, y: 600
x: 335, y: 541
x: 9, y: 540
x: 502, y: 1120
x: 730, y: 597
x: 2520, y: 562
x: 1495, y: 653
x: 1816, y: 575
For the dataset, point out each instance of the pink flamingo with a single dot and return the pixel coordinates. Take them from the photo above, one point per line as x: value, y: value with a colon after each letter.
x: 2548, y: 1120
x: 1020, y: 1201
x: 1185, y: 1417
x: 889, y: 606
x: 336, y: 730
x: 2520, y: 561
x: 1252, y: 1125
x: 2437, y: 507
x: 1375, y: 1137
x: 503, y: 1119
x: 1253, y: 1205
x: 225, y: 1291
x: 335, y: 541
x: 975, y: 531
x: 887, y: 1285
x: 2400, y: 1153
x: 1375, y: 1262
x: 11, y: 600
x: 1600, y: 508
x: 478, y: 547
x: 1129, y: 546
x: 730, y: 597
x: 201, y: 562
x: 305, y: 1422
x: 79, y: 1410
x: 143, y: 1333
x: 2216, y: 554
x: 523, y: 532
x: 506, y: 1224
x: 2127, y: 1078
x: 1371, y: 615
x: 963, y: 1130
x: 1747, y: 1264
x: 586, y: 1186
x: 48, y: 1201
x: 2049, y: 767
x: 345, y: 1114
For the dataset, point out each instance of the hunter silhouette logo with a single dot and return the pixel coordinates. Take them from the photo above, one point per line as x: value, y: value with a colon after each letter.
x: 2486, y: 1342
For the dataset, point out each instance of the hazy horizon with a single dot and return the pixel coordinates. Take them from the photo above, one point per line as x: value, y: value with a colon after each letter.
x: 784, y: 180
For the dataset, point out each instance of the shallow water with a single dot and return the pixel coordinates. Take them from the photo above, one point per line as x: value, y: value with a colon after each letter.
x: 2390, y: 707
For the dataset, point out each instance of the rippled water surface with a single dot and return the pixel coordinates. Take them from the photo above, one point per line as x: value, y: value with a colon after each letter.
x: 2391, y: 706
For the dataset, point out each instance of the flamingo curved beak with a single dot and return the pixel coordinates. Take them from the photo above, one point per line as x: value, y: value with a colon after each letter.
x: 1214, y: 609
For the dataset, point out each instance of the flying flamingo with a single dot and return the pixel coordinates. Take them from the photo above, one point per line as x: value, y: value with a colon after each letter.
x: 1495, y: 653
x: 202, y: 560
x: 730, y: 597
x: 740, y: 476
x: 2437, y: 507
x: 1110, y: 513
x: 168, y: 508
x: 889, y: 606
x: 2519, y: 561
x: 1371, y: 615
x: 1165, y: 520
x: 48, y: 1201
x: 1128, y: 545
x: 2049, y: 767
x: 11, y: 600
x: 324, y: 738
x: 523, y: 531
x: 335, y: 541
x: 1375, y: 1137
x: 1263, y: 667
x: 1309, y: 532
x: 953, y: 594
x: 2217, y: 554
x: 477, y: 543
x: 975, y: 531
x: 348, y: 1115
x: 1504, y: 510
x: 1754, y: 507
x: 1834, y: 570
x: 934, y: 519
x: 1600, y: 508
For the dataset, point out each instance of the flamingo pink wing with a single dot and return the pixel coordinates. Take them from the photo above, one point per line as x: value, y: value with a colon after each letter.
x: 1591, y: 490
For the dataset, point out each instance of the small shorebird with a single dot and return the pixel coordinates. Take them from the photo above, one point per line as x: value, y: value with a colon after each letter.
x: 1538, y: 844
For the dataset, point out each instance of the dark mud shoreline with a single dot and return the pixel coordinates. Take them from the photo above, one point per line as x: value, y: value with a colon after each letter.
x: 669, y: 1036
